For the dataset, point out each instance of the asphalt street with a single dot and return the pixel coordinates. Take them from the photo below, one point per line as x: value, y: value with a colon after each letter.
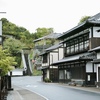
x: 55, y: 91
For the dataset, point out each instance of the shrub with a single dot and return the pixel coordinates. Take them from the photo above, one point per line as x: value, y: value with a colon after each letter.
x: 47, y: 80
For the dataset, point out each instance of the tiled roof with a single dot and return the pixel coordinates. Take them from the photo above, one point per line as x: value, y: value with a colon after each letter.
x: 51, y: 48
x: 50, y: 36
x: 95, y: 20
x: 54, y: 47
x: 73, y: 58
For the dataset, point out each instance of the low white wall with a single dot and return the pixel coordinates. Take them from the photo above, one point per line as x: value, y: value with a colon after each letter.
x: 89, y: 67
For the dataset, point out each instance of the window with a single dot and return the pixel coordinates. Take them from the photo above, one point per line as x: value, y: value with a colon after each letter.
x: 68, y: 50
x: 81, y: 45
x: 72, y: 46
x: 45, y: 58
x: 76, y: 45
x: 86, y: 44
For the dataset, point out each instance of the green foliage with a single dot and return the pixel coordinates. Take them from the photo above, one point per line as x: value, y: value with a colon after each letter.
x: 40, y: 32
x: 6, y: 61
x: 14, y: 46
x: 17, y: 38
x: 37, y: 72
x: 47, y: 80
x: 84, y: 18
x: 9, y: 29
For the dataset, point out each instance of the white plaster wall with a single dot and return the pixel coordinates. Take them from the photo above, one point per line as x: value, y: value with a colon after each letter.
x: 17, y: 73
x: 95, y: 33
x: 95, y: 67
x: 61, y: 55
x: 98, y: 55
x: 53, y: 57
x: 48, y: 73
x: 89, y: 67
x: 53, y: 66
x: 44, y: 64
x: 98, y: 65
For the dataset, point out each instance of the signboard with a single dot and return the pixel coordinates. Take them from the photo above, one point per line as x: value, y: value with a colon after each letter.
x: 91, y: 55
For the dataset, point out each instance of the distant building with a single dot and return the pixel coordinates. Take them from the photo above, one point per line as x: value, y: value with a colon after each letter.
x: 51, y: 54
x: 41, y: 44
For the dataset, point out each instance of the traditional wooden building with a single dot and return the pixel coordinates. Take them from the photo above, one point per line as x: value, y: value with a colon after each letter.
x: 77, y: 66
x: 41, y: 44
x: 51, y: 54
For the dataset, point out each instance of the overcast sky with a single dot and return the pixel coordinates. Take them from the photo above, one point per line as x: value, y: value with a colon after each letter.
x: 61, y: 15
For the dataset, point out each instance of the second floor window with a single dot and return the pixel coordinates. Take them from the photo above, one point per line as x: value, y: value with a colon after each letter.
x: 77, y: 44
x: 45, y: 59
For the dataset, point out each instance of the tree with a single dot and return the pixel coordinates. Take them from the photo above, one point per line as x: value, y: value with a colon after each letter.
x: 19, y: 33
x: 84, y: 18
x: 6, y: 61
x: 40, y: 32
x: 14, y: 46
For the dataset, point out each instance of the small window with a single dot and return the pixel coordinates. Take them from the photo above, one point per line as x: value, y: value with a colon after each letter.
x: 45, y: 58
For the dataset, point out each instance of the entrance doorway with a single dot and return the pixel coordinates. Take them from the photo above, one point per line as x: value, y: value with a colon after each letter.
x: 90, y: 79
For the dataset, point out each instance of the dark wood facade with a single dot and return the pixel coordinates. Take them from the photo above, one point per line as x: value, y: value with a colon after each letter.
x: 78, y: 41
x: 99, y: 74
x: 54, y: 74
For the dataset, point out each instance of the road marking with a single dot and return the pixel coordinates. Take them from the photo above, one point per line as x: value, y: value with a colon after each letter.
x: 32, y: 86
x: 28, y: 86
x: 35, y: 86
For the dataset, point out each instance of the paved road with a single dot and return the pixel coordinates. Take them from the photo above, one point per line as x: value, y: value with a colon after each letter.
x: 53, y: 91
x: 23, y: 94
